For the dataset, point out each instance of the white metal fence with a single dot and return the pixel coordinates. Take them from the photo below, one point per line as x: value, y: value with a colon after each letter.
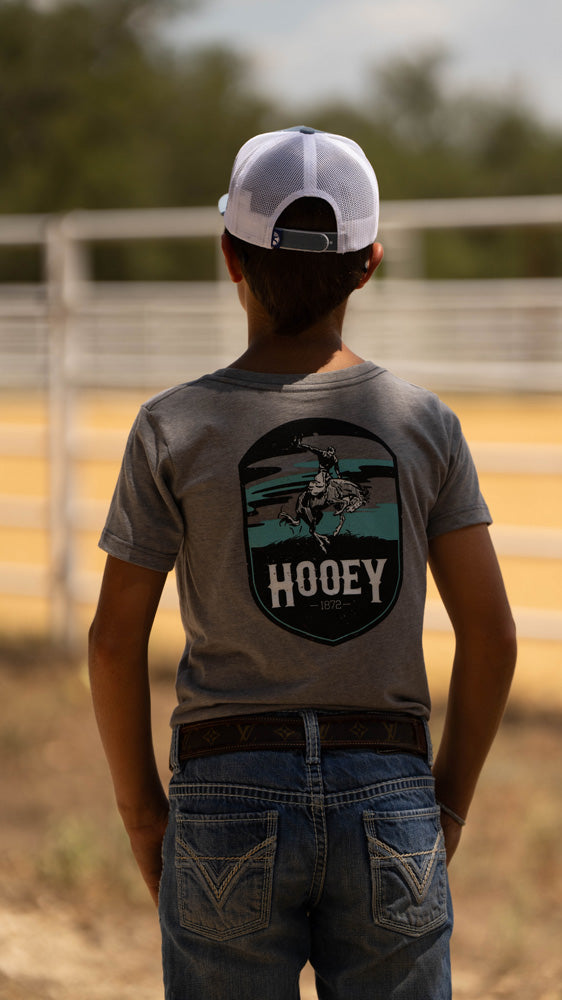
x: 453, y: 334
x: 503, y: 334
x: 69, y: 334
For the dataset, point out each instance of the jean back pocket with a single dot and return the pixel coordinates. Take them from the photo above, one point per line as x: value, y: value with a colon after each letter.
x: 408, y: 870
x: 224, y: 868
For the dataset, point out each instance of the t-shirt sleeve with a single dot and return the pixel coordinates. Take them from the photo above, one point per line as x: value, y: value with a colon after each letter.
x: 144, y: 525
x: 459, y: 502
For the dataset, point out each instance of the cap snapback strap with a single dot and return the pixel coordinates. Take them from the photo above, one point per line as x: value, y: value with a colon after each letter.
x: 299, y: 239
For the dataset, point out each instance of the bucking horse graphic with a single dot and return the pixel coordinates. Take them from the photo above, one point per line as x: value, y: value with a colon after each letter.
x: 325, y: 491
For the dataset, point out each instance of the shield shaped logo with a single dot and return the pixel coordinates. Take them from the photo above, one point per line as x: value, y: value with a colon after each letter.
x: 322, y: 517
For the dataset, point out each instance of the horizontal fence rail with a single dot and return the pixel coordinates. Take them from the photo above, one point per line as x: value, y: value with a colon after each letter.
x: 451, y: 335
x: 454, y: 334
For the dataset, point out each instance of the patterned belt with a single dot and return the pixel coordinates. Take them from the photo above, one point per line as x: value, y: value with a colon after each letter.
x: 383, y: 732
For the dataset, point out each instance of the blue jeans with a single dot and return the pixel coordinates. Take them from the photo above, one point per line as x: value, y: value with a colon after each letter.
x: 275, y: 858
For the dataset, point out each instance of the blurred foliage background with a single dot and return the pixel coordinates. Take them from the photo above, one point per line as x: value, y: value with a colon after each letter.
x: 97, y: 111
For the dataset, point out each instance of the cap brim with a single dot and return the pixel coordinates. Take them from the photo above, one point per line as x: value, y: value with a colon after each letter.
x: 223, y: 203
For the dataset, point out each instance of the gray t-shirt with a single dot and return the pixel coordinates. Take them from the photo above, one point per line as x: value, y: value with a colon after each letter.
x: 297, y: 511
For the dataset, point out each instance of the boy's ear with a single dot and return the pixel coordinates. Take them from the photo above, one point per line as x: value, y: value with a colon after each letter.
x: 231, y: 259
x: 373, y: 260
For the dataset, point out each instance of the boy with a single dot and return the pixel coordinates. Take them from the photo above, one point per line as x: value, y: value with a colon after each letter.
x: 300, y: 494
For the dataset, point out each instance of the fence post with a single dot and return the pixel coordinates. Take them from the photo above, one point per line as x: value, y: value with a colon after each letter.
x: 61, y: 293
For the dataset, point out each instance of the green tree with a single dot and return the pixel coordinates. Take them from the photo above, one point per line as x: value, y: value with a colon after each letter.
x: 73, y: 83
x: 95, y: 113
x: 427, y: 142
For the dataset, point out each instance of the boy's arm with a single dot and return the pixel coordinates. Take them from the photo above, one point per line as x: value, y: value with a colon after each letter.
x: 118, y: 660
x: 467, y: 574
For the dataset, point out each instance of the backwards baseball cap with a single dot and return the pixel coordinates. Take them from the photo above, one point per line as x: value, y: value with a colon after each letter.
x: 275, y: 169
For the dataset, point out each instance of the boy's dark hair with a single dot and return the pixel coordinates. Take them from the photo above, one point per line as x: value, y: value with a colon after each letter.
x: 298, y: 288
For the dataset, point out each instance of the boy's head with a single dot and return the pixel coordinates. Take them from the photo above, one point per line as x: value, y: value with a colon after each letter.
x: 302, y: 215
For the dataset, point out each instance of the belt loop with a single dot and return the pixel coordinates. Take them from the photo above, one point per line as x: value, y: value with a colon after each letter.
x: 429, y: 743
x: 174, y: 761
x: 311, y: 735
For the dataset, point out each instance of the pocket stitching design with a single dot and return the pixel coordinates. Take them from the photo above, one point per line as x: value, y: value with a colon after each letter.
x: 219, y: 887
x: 382, y: 855
x: 188, y: 866
x: 418, y: 885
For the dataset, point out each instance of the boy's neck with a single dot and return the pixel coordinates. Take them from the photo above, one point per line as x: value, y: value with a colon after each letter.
x: 318, y: 349
x: 277, y: 360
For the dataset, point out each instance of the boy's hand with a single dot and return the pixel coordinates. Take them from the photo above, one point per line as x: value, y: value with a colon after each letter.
x: 146, y: 844
x: 452, y: 834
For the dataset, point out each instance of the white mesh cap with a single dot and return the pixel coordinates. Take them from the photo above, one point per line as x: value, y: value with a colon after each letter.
x: 274, y: 169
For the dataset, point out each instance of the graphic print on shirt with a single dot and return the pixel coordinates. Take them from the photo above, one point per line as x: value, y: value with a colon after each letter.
x: 323, y: 528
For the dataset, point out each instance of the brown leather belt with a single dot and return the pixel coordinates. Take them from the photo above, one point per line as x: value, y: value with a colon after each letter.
x: 382, y: 732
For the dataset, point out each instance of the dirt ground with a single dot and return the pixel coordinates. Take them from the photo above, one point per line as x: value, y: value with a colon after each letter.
x: 76, y: 922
